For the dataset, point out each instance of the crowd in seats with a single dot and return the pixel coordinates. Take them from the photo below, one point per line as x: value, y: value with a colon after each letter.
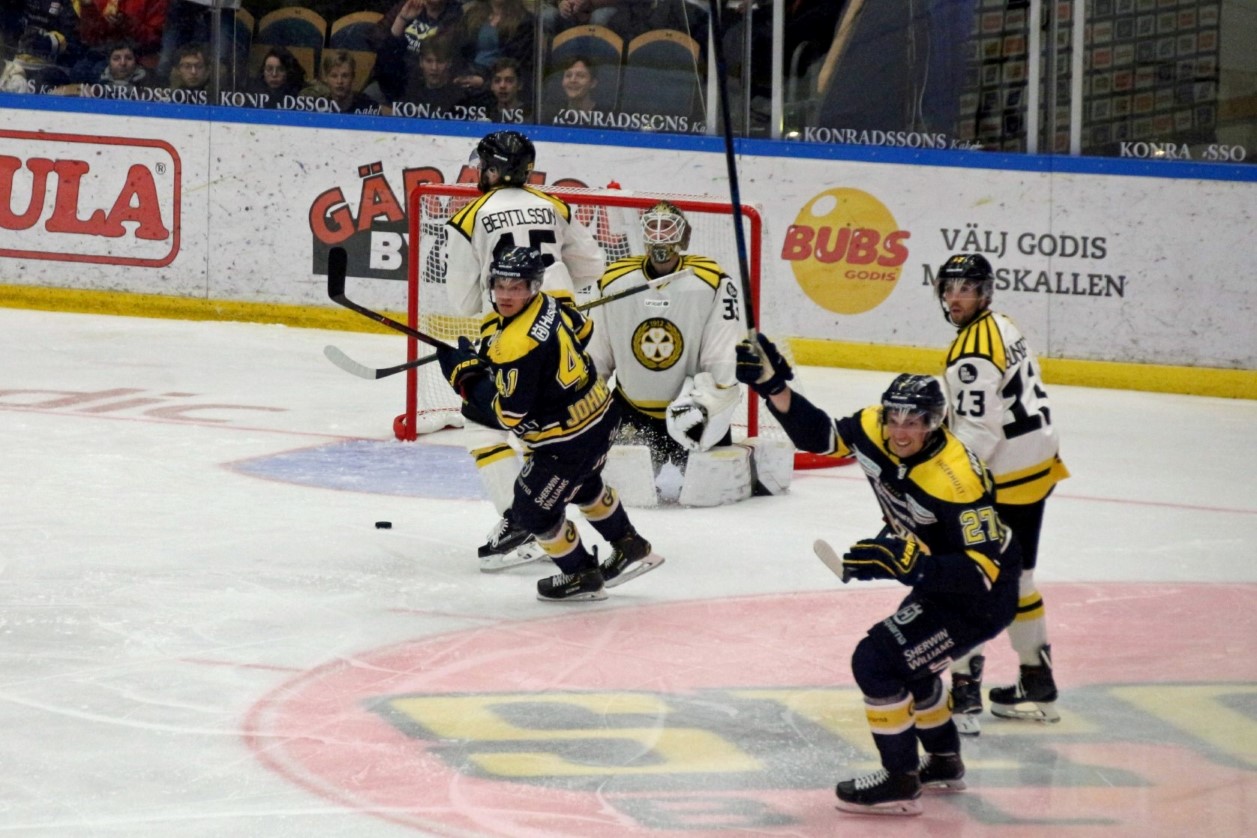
x: 491, y: 60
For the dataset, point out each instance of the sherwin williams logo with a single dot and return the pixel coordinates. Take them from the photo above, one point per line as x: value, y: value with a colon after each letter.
x: 846, y: 250
x: 77, y: 198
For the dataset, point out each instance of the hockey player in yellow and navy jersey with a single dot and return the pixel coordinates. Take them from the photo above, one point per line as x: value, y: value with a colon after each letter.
x: 943, y: 537
x: 534, y: 378
x: 999, y: 408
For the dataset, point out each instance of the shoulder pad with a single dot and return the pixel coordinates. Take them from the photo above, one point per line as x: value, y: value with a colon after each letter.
x: 619, y: 269
x: 980, y: 339
x: 560, y: 206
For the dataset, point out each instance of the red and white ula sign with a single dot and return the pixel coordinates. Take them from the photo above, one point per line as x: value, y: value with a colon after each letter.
x: 83, y: 198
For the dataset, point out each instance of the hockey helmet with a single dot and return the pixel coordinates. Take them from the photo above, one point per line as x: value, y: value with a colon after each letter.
x: 510, y: 154
x: 910, y: 395
x: 518, y: 263
x: 665, y: 230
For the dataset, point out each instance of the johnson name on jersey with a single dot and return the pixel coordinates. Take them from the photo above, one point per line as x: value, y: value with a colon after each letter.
x: 999, y: 408
x: 510, y: 216
x: 548, y: 390
x: 653, y: 340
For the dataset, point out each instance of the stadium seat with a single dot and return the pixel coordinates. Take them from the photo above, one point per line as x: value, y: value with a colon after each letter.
x: 292, y: 26
x: 662, y: 75
x: 351, y: 31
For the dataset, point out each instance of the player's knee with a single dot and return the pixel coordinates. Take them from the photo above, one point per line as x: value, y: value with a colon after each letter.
x: 874, y: 671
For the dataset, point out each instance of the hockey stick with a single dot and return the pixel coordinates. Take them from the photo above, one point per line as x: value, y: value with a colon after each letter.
x: 735, y: 198
x: 830, y: 558
x: 337, y: 265
x: 349, y: 365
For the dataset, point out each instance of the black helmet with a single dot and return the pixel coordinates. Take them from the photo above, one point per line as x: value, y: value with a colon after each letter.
x: 965, y: 267
x: 915, y: 394
x: 510, y: 153
x: 518, y: 263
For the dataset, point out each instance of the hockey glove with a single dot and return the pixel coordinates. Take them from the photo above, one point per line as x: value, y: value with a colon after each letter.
x: 686, y: 421
x: 462, y: 367
x: 761, y: 367
x: 885, y: 557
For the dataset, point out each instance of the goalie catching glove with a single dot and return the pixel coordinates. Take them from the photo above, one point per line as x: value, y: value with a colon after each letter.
x: 885, y: 557
x: 761, y: 367
x: 700, y: 417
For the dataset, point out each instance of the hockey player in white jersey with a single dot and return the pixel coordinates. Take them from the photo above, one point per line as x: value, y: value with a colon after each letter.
x: 510, y: 213
x: 998, y: 407
x: 672, y: 350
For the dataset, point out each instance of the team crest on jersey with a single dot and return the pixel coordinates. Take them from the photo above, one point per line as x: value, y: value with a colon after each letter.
x: 968, y: 373
x: 658, y: 344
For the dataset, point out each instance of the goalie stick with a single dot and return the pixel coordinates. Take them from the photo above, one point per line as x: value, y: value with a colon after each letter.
x: 349, y: 365
x: 830, y: 558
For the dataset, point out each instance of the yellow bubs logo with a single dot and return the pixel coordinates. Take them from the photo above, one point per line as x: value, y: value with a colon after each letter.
x: 846, y: 250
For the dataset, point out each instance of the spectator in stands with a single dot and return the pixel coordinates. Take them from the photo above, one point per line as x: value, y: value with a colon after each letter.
x: 580, y: 86
x: 122, y: 72
x: 558, y: 15
x: 34, y: 68
x: 105, y: 23
x: 280, y: 76
x: 493, y: 29
x: 400, y: 37
x: 636, y: 17
x: 509, y: 105
x: 59, y: 18
x: 434, y: 94
x: 191, y: 69
x: 192, y: 22
x: 335, y: 84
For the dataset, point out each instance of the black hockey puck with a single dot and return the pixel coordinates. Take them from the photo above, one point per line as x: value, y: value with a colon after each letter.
x: 383, y: 525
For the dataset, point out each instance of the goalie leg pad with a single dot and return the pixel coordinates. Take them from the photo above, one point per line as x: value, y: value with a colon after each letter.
x: 630, y: 470
x: 498, y: 466
x: 716, y: 477
x: 772, y: 463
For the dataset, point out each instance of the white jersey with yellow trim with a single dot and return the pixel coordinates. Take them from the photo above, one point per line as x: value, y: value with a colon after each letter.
x: 510, y: 216
x: 999, y: 408
x: 655, y: 339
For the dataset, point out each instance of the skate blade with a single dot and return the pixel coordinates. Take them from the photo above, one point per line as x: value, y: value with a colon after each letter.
x: 591, y: 596
x: 944, y: 786
x: 649, y: 563
x: 901, y: 808
x: 967, y: 724
x: 524, y: 555
x: 1028, y: 711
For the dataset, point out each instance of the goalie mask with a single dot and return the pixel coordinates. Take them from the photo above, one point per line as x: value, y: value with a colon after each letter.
x: 665, y: 231
x: 509, y: 153
x: 961, y: 268
x: 914, y: 395
x: 516, y: 265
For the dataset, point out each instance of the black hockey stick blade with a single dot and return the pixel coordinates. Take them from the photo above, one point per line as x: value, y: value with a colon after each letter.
x: 349, y: 365
x: 337, y: 266
x: 830, y: 558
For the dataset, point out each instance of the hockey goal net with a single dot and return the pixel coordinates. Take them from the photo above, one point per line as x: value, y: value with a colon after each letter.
x: 613, y: 216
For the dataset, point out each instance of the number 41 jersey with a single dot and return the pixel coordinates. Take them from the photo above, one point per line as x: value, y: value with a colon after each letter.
x: 999, y: 408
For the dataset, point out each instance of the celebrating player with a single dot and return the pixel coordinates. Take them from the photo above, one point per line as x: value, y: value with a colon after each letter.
x: 943, y: 538
x: 671, y: 348
x: 534, y: 378
x: 999, y: 409
x: 510, y: 214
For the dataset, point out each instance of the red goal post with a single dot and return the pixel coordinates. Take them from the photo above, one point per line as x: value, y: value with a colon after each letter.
x: 613, y: 216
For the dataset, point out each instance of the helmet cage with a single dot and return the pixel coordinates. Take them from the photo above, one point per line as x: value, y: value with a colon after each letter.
x: 665, y: 231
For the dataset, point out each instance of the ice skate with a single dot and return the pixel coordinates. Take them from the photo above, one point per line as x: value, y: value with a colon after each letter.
x: 966, y: 697
x: 881, y: 793
x: 631, y: 556
x: 529, y: 551
x: 505, y: 536
x: 581, y: 586
x: 941, y: 772
x: 1033, y: 698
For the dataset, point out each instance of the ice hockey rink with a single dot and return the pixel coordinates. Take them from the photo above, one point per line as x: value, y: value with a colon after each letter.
x: 202, y: 632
